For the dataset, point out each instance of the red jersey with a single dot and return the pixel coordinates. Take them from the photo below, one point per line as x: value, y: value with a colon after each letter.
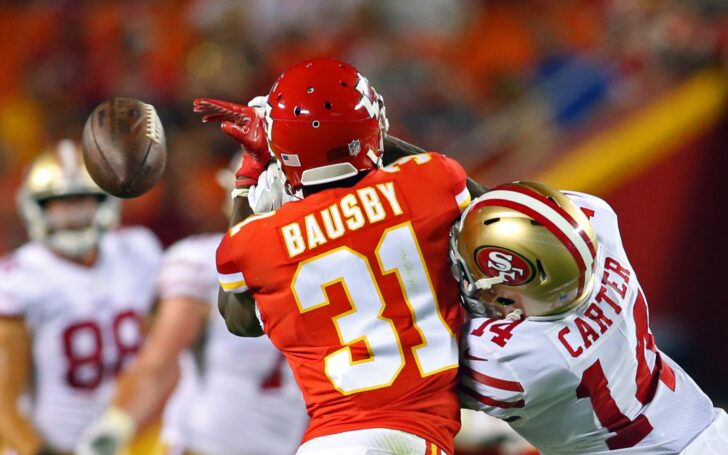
x: 353, y: 285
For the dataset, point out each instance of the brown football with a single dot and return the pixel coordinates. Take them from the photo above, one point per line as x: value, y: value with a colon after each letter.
x: 124, y: 147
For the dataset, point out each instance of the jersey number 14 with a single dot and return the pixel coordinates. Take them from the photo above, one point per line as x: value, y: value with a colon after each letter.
x: 595, y: 386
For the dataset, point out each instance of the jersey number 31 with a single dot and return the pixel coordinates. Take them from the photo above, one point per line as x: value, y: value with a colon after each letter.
x: 398, y: 252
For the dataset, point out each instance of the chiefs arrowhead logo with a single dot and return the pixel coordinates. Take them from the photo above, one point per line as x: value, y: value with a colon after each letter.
x: 494, y: 261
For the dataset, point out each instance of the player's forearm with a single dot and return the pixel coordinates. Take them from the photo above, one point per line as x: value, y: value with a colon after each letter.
x: 18, y: 433
x: 475, y: 188
x: 241, y: 210
x: 142, y: 391
x: 395, y: 148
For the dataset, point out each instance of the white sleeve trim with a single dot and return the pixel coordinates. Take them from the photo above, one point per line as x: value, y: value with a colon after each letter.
x: 232, y: 282
x: 463, y: 198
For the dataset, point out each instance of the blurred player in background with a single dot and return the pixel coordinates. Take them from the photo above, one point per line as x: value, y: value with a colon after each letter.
x: 350, y: 282
x: 72, y: 302
x: 566, y: 355
x: 244, y: 399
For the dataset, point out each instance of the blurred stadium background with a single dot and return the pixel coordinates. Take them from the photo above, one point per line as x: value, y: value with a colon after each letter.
x: 625, y: 99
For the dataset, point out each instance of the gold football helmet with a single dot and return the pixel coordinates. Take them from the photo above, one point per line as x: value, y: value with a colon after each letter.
x: 57, y: 173
x: 523, y: 248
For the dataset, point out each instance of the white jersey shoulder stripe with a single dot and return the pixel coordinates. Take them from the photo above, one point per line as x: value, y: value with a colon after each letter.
x: 463, y: 198
x: 232, y: 282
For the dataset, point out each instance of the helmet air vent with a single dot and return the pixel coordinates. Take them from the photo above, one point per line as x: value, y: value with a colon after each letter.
x: 343, y: 84
x: 297, y: 111
x: 327, y: 105
x: 491, y: 221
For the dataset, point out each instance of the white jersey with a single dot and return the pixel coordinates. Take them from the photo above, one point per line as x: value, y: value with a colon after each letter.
x: 246, y: 401
x: 86, y: 324
x: 591, y: 381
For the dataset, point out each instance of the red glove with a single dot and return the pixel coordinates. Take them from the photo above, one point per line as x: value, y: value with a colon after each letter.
x: 245, y: 125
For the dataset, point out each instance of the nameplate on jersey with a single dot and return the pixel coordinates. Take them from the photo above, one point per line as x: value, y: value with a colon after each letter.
x: 577, y: 335
x: 354, y: 211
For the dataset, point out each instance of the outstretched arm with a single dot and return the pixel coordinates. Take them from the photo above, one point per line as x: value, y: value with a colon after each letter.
x: 245, y: 125
x: 395, y: 148
x: 238, y: 310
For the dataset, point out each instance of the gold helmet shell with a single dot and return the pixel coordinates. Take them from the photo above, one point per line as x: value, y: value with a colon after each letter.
x: 525, y: 246
x: 59, y: 172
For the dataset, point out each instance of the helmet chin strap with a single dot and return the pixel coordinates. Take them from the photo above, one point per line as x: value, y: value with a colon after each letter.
x: 486, y: 283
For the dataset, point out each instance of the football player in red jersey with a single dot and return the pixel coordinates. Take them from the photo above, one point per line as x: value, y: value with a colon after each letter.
x: 350, y: 281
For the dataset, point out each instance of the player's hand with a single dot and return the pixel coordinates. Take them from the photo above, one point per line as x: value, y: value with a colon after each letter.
x: 213, y: 110
x: 268, y: 193
x: 245, y: 125
x: 108, y: 435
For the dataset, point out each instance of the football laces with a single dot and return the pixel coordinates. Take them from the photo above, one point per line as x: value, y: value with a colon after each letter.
x: 153, y: 126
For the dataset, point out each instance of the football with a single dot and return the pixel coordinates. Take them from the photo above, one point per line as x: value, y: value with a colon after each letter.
x: 124, y: 148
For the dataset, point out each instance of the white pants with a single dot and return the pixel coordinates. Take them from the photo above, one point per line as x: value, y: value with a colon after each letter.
x: 375, y: 441
x: 713, y: 440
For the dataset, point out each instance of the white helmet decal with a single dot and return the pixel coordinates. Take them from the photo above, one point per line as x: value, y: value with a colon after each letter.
x: 369, y: 104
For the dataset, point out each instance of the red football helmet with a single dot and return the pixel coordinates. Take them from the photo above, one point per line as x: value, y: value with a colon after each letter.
x: 324, y: 122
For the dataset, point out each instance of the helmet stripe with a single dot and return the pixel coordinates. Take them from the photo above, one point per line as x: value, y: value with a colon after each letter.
x: 549, y: 218
x: 67, y: 157
x: 536, y: 195
x: 548, y: 224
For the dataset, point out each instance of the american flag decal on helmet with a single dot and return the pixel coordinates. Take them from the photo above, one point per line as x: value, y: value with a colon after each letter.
x: 290, y: 160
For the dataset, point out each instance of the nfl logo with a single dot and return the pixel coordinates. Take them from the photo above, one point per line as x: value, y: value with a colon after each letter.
x: 354, y: 147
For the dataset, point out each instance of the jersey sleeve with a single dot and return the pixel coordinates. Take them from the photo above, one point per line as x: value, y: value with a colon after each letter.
x: 487, y: 382
x: 15, y: 287
x: 229, y: 272
x: 187, y: 270
x: 457, y: 178
x: 602, y: 217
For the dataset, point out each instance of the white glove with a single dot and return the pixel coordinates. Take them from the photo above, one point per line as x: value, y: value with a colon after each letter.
x: 259, y: 103
x: 268, y: 194
x: 107, y: 435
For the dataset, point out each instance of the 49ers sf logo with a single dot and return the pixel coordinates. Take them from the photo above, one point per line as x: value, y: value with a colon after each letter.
x: 494, y: 261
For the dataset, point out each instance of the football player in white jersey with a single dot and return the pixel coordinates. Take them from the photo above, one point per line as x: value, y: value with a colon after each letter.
x: 245, y: 400
x: 71, y: 304
x: 563, y: 350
